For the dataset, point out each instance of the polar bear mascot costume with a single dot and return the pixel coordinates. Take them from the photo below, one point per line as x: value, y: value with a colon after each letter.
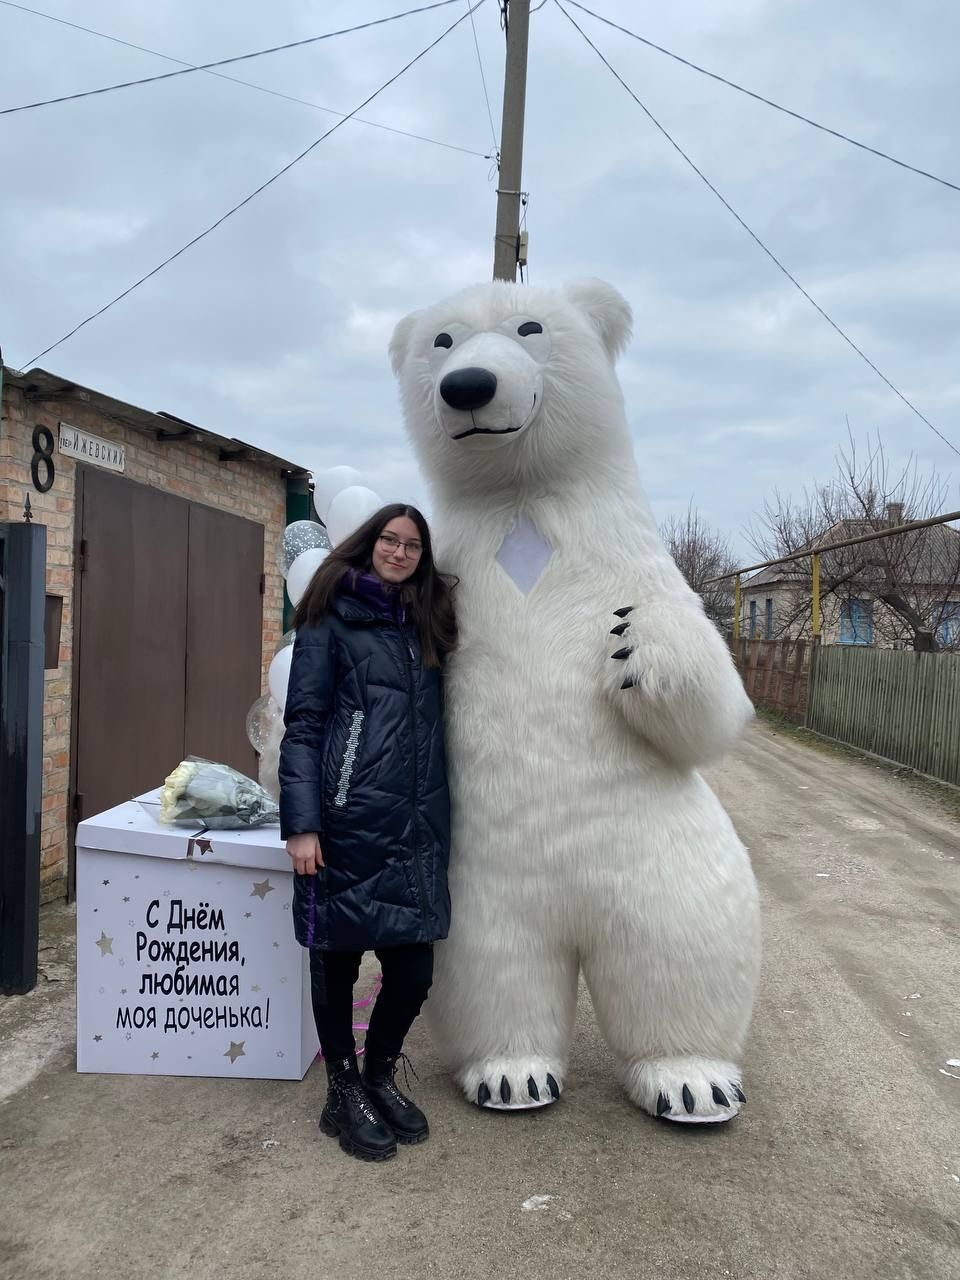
x: 587, y: 689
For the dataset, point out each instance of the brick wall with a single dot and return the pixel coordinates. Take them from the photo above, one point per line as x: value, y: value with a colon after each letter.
x: 191, y: 469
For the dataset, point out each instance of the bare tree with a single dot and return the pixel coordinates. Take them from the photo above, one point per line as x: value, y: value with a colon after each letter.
x: 702, y: 553
x: 915, y: 575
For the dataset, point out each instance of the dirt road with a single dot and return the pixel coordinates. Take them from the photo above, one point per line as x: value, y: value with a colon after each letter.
x: 844, y: 1164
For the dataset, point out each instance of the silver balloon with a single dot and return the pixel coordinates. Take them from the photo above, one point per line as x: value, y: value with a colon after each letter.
x: 300, y: 536
x: 262, y: 719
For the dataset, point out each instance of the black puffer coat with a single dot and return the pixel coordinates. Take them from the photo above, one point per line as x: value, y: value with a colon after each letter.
x: 362, y: 764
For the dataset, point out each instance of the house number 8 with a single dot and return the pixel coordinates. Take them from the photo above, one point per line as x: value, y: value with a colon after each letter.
x: 42, y: 457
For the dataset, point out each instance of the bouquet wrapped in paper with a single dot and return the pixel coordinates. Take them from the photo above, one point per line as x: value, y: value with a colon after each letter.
x: 199, y: 792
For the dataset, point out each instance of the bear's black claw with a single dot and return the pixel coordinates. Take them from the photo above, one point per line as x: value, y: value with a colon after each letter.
x: 622, y: 613
x: 688, y: 1101
x: 532, y: 1089
x: 483, y: 1094
x: 629, y: 683
x: 622, y: 653
x: 741, y: 1096
x: 620, y: 628
x: 719, y: 1097
x: 504, y: 1089
x: 553, y: 1086
x: 663, y: 1104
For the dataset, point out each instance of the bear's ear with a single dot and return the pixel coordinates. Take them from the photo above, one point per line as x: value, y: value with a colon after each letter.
x: 607, y: 311
x: 401, y: 341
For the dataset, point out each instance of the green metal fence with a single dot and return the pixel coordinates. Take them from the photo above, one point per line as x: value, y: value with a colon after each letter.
x: 900, y: 705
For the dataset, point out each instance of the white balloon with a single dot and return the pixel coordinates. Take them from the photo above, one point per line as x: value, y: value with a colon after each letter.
x: 327, y: 484
x: 349, y: 509
x: 279, y: 675
x: 302, y: 570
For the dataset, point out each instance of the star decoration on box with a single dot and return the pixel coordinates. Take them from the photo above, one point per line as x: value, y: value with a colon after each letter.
x: 277, y: 945
x: 98, y: 1038
x: 123, y: 991
x: 106, y: 882
x: 105, y: 944
x: 235, y: 1051
x: 154, y: 1056
x: 254, y: 988
x: 126, y: 899
x: 247, y: 915
x: 261, y: 888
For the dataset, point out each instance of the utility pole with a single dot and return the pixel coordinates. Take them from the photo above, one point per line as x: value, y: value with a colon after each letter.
x: 506, y: 240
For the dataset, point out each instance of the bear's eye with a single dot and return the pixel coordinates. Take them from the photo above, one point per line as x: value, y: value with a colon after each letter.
x: 528, y: 327
x: 443, y: 340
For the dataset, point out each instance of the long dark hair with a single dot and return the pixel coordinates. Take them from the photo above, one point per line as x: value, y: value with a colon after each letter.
x: 427, y: 593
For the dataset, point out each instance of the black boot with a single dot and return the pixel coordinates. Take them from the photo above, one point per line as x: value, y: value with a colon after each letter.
x: 350, y: 1114
x: 404, y: 1117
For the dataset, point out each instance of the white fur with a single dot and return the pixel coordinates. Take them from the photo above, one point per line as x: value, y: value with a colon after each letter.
x: 584, y: 838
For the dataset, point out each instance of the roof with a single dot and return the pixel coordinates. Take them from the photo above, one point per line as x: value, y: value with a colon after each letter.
x: 39, y: 385
x: 933, y: 555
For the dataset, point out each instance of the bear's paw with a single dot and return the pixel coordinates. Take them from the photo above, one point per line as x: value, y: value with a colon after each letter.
x: 685, y: 1090
x: 512, y: 1084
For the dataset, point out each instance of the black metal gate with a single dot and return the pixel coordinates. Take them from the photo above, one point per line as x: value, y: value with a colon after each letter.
x: 23, y: 550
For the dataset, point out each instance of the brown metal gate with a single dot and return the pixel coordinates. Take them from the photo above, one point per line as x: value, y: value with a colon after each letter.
x: 167, y: 639
x: 224, y: 625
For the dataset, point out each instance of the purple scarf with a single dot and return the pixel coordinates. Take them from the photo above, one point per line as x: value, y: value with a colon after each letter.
x: 387, y: 601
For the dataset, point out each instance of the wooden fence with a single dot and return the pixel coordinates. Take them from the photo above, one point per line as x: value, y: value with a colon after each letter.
x: 776, y: 674
x: 900, y: 705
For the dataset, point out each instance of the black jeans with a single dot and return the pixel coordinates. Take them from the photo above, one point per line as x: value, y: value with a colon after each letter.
x: 407, y: 974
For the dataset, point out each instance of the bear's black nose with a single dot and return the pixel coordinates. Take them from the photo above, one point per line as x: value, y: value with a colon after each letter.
x: 469, y: 388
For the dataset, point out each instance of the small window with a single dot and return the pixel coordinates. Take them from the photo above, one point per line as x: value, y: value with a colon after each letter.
x: 856, y: 622
x: 948, y: 632
x: 768, y: 618
x: 753, y: 619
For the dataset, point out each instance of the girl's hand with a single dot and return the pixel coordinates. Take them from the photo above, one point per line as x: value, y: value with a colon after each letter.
x: 306, y: 853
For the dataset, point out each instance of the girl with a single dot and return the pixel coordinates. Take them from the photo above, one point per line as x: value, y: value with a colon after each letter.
x: 364, y: 808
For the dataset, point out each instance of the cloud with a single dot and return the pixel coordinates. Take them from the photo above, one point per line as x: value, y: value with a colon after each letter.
x: 274, y: 328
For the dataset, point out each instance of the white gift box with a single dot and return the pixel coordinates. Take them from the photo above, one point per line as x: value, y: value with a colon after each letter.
x: 186, y: 960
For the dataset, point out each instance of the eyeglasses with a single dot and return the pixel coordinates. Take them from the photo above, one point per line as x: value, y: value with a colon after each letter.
x: 390, y: 543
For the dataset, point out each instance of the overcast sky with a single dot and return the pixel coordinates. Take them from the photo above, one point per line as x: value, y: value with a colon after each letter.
x: 274, y: 328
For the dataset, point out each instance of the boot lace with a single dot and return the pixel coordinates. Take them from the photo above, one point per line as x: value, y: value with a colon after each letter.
x: 356, y: 1093
x: 390, y: 1084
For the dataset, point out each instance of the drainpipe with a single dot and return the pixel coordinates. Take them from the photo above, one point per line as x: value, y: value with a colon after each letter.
x: 299, y: 507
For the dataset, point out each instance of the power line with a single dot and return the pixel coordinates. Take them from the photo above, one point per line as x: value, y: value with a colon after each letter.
x: 248, y: 84
x: 253, y: 194
x: 753, y: 235
x: 483, y: 81
x: 731, y: 84
x: 224, y: 62
x: 234, y: 80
